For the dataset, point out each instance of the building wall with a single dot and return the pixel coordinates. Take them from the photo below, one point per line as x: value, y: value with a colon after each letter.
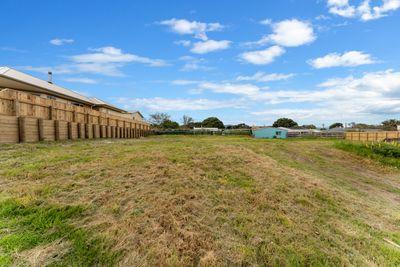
x: 115, y: 113
x: 270, y: 133
x: 136, y: 116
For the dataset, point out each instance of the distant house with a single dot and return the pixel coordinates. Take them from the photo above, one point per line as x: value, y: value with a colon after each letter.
x: 205, y: 129
x: 270, y: 133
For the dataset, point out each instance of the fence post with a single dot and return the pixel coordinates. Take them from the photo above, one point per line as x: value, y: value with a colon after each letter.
x: 87, y: 131
x: 41, y: 129
x: 21, y: 129
x: 70, y: 130
x: 57, y: 129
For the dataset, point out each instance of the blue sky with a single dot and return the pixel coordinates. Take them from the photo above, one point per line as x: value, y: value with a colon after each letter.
x: 316, y: 61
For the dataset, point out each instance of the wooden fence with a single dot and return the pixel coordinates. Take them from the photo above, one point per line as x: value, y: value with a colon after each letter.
x: 372, y: 136
x: 337, y: 135
x: 28, y: 118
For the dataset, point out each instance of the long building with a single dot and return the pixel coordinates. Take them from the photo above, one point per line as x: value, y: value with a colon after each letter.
x: 13, y: 79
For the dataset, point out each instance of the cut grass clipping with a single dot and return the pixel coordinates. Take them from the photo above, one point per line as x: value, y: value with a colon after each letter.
x: 385, y: 153
x: 26, y: 226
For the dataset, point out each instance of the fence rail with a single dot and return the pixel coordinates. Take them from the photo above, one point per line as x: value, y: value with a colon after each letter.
x: 372, y: 136
x: 29, y: 118
x: 337, y: 135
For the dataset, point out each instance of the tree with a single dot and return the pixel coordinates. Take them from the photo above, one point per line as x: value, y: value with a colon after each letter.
x: 308, y: 126
x: 390, y: 125
x: 168, y: 124
x: 158, y: 118
x: 238, y: 126
x: 336, y: 125
x: 213, y: 122
x: 285, y: 122
x: 194, y: 124
x: 186, y: 120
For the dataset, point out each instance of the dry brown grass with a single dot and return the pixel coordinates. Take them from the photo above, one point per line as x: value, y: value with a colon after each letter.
x: 212, y: 201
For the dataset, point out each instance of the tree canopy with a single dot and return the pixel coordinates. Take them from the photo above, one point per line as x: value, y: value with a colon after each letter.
x: 213, y: 122
x: 285, y: 122
x: 168, y: 124
x: 158, y: 118
x: 336, y: 125
x: 390, y: 125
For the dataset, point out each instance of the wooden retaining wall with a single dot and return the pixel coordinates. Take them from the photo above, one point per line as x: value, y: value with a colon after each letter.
x: 28, y: 118
x: 372, y: 136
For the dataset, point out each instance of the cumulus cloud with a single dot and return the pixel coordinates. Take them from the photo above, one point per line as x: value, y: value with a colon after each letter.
x: 287, y: 33
x: 291, y: 33
x: 347, y: 59
x: 179, y: 104
x: 265, y: 77
x: 197, y: 29
x: 59, y: 42
x: 209, y: 46
x: 263, y: 57
x: 364, y: 11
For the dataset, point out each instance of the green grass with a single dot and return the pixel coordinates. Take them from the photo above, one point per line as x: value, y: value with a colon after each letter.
x: 198, y: 200
x: 385, y: 153
x: 25, y: 226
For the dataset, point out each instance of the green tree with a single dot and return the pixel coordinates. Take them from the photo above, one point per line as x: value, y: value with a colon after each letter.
x: 158, y: 118
x: 390, y: 125
x: 213, y: 122
x: 336, y: 125
x: 168, y: 124
x: 285, y: 122
x: 308, y: 126
x: 187, y: 121
x: 238, y: 126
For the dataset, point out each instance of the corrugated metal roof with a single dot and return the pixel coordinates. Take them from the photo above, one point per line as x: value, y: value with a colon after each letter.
x: 14, y: 79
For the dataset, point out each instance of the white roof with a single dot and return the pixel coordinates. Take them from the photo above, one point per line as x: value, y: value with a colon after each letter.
x: 13, y: 79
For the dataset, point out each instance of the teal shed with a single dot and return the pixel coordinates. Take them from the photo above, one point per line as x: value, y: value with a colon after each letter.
x: 270, y: 132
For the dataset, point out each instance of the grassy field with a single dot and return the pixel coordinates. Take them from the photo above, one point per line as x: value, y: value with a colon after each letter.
x: 204, y: 200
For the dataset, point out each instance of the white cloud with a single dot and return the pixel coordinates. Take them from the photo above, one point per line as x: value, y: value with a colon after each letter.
x: 184, y: 82
x: 185, y: 43
x: 347, y: 59
x: 80, y: 80
x: 287, y: 33
x: 59, y: 42
x: 265, y: 77
x: 341, y: 8
x: 180, y: 104
x: 198, y: 29
x: 291, y: 33
x: 105, y: 60
x: 109, y: 54
x: 373, y: 94
x: 193, y: 64
x: 230, y: 88
x: 209, y: 46
x: 263, y: 57
x: 365, y: 11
